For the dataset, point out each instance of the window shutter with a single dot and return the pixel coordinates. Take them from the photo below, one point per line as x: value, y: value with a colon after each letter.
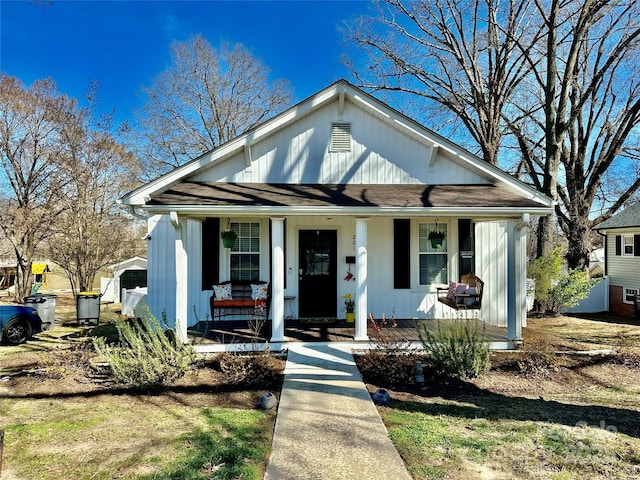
x: 618, y: 245
x: 210, y: 251
x: 636, y: 245
x: 401, y: 254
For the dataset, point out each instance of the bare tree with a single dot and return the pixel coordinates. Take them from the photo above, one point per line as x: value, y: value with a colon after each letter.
x: 590, y: 109
x: 92, y: 230
x: 557, y: 77
x: 460, y: 55
x: 30, y: 153
x: 203, y: 99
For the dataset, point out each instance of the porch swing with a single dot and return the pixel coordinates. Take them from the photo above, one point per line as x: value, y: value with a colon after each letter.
x: 466, y: 295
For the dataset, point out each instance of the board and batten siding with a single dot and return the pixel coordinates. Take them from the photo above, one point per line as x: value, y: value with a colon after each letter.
x: 491, y: 265
x: 161, y: 269
x: 418, y: 301
x: 622, y: 270
x: 300, y: 153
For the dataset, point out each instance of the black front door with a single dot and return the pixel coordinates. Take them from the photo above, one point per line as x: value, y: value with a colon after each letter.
x: 317, y: 274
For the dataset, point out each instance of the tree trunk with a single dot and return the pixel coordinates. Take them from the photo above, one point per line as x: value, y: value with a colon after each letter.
x: 578, y: 248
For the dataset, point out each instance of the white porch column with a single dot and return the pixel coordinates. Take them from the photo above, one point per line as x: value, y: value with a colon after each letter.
x: 277, y: 280
x: 517, y: 278
x: 361, y: 279
x: 181, y: 280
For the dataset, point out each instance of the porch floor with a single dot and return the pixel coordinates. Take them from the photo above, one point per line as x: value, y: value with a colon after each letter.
x: 227, y: 332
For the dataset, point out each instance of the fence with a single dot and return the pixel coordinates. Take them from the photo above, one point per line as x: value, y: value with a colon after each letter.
x: 131, y: 298
x: 596, y: 301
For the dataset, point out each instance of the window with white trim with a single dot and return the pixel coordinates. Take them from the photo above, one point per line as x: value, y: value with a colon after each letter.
x: 627, y: 245
x: 630, y: 295
x: 245, y: 254
x: 433, y: 257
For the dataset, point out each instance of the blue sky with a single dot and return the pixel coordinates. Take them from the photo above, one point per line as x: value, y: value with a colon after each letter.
x: 124, y: 44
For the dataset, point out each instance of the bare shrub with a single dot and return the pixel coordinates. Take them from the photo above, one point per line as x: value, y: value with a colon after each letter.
x: 539, y: 359
x: 253, y: 369
x: 391, y: 362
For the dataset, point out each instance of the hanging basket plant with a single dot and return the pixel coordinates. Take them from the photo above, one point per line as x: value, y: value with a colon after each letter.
x: 228, y: 238
x: 436, y: 237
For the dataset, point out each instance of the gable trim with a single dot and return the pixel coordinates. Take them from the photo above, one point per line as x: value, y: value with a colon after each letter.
x: 394, y: 118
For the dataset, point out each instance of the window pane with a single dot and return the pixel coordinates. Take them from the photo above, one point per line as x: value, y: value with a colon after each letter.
x: 245, y: 255
x: 433, y: 269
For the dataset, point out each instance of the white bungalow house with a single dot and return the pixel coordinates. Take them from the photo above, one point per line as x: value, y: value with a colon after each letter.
x: 337, y: 195
x: 622, y: 258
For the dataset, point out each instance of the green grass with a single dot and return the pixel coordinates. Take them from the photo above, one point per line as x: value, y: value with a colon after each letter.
x: 448, y: 439
x: 104, y: 439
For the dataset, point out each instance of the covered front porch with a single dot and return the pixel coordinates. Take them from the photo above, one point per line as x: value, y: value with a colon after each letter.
x: 234, y: 335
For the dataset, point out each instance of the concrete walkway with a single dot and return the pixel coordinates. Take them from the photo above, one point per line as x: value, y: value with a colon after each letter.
x: 327, y: 426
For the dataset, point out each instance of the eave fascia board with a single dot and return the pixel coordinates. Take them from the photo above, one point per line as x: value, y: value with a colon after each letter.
x: 244, y: 211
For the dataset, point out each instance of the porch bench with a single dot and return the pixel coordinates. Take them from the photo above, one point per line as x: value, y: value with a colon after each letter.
x: 241, y: 301
x: 467, y: 298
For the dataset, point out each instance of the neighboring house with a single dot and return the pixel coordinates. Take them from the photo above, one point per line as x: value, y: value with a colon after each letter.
x: 335, y: 196
x: 127, y: 274
x: 622, y: 258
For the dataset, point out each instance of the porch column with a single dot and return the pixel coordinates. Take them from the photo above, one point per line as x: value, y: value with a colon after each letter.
x: 181, y: 267
x: 517, y: 279
x: 361, y: 279
x: 277, y: 279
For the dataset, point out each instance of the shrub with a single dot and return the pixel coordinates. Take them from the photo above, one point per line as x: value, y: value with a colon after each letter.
x: 253, y: 369
x: 556, y: 290
x: 570, y: 289
x: 456, y: 349
x: 391, y: 362
x: 382, y: 368
x: 146, y: 356
x: 538, y: 358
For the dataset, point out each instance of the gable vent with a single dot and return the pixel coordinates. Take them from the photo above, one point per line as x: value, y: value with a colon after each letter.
x: 341, y: 137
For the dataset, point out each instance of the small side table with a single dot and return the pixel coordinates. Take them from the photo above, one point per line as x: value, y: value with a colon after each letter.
x: 289, y: 314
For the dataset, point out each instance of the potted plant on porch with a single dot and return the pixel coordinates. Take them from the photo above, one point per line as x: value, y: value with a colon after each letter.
x: 350, y: 307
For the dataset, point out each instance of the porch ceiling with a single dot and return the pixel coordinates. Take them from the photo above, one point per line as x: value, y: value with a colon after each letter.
x: 322, y: 196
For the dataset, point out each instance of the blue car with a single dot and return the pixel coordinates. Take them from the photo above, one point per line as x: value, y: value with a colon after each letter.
x: 18, y: 323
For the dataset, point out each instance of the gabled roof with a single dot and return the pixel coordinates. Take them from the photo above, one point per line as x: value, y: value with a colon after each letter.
x: 142, y: 196
x: 629, y: 217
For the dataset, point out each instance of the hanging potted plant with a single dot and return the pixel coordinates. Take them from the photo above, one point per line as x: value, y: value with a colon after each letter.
x: 436, y: 237
x: 228, y: 236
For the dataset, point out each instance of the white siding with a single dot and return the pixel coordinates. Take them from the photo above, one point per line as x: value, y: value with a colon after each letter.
x: 161, y: 271
x: 491, y: 266
x: 300, y: 153
x: 416, y: 302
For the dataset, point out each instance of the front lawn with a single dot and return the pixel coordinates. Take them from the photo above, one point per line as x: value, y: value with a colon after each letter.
x: 536, y: 415
x: 63, y: 420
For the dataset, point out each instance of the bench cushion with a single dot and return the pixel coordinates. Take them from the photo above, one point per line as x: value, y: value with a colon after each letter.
x: 246, y: 303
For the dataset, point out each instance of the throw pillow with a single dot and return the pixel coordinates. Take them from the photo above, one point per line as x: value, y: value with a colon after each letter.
x: 471, y: 300
x: 456, y: 288
x: 259, y: 291
x: 222, y: 292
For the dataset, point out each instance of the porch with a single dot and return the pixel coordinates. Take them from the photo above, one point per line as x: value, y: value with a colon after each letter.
x: 237, y: 335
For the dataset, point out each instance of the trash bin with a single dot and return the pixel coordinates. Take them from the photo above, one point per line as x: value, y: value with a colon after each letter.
x: 636, y: 306
x: 88, y: 308
x: 45, y: 305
